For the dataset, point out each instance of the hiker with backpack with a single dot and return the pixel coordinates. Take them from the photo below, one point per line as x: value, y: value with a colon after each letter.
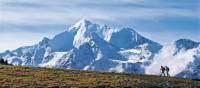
x: 167, y: 70
x: 162, y: 71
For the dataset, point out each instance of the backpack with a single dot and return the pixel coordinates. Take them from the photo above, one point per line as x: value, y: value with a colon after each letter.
x: 162, y: 68
x: 167, y: 68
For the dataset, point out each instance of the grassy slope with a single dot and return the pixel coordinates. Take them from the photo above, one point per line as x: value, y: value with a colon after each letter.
x: 16, y: 76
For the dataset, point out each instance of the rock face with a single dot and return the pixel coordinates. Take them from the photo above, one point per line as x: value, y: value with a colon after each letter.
x: 89, y: 46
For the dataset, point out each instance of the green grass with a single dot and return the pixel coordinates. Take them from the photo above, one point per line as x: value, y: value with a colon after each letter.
x: 17, y: 76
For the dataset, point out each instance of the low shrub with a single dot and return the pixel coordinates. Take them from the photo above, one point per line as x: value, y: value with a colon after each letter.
x: 4, y: 62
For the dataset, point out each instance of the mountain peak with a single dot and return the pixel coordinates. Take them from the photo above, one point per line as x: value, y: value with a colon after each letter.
x: 185, y: 40
x: 186, y: 43
x: 82, y: 22
x: 45, y: 39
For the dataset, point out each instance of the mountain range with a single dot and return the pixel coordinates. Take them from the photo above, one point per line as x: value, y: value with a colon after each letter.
x: 90, y: 46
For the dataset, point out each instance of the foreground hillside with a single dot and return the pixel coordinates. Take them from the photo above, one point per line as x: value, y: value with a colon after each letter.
x: 16, y: 76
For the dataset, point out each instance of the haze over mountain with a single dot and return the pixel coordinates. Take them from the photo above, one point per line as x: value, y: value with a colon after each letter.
x: 90, y: 46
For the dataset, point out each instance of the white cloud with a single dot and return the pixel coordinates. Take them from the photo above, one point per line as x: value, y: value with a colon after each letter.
x: 176, y: 63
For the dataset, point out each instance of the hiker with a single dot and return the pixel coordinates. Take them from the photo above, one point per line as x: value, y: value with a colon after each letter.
x: 167, y: 70
x: 162, y: 71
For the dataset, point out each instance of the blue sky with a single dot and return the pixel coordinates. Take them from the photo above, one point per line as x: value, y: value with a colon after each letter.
x: 25, y: 22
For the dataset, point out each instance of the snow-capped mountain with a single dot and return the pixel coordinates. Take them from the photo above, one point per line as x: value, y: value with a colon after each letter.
x: 90, y: 46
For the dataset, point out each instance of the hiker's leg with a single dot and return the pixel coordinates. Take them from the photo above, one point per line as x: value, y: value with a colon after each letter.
x: 168, y: 73
x: 164, y: 73
x: 161, y: 74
